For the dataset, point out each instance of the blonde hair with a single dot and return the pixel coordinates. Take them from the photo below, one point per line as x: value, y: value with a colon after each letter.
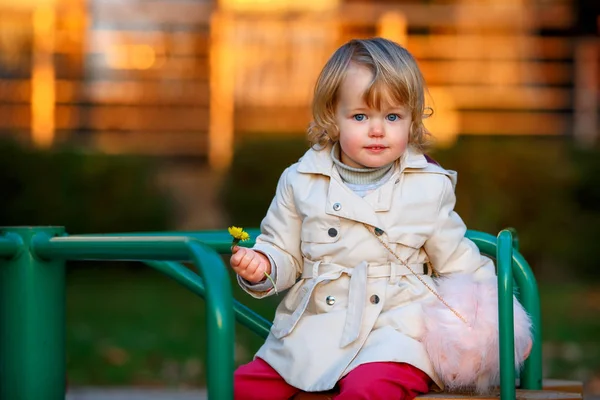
x: 395, y: 73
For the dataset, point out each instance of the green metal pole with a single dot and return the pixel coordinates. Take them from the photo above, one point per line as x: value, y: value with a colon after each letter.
x: 531, y: 375
x: 515, y: 238
x: 32, y: 322
x: 220, y: 321
x: 505, y: 310
x: 218, y: 240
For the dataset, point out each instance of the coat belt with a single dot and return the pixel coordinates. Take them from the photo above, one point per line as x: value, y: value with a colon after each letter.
x: 316, y: 272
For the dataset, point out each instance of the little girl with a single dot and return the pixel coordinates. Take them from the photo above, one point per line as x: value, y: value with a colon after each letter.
x: 353, y: 231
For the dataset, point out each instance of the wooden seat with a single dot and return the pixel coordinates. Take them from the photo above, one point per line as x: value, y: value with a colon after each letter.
x: 521, y: 395
x: 560, y: 385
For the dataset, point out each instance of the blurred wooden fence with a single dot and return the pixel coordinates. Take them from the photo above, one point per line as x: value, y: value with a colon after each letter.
x: 141, y: 77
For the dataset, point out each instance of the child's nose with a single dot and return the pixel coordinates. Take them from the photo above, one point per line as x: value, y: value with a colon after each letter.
x: 376, y: 129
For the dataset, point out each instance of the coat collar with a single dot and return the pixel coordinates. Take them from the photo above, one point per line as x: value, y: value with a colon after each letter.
x: 320, y: 162
x: 341, y: 201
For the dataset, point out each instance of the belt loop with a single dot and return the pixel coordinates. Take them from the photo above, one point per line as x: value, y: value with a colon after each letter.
x: 393, y: 273
x: 315, y: 269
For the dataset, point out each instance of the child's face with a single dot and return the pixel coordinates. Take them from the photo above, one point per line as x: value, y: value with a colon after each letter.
x: 369, y: 137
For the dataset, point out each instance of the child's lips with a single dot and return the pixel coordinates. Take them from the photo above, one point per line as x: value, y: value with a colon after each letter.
x: 376, y: 148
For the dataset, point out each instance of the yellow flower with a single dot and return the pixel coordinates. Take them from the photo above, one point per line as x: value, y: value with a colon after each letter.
x: 238, y: 233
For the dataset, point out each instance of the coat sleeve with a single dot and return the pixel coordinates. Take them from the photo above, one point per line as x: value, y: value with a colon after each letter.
x: 448, y: 249
x: 279, y: 239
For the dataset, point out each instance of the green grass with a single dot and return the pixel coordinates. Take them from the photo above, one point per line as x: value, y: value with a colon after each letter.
x: 571, y: 330
x: 140, y: 328
x: 136, y: 327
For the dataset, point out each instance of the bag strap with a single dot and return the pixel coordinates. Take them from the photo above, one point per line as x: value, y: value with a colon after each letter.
x: 373, y: 230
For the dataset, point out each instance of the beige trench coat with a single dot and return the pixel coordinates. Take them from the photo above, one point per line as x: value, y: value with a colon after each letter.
x: 351, y: 302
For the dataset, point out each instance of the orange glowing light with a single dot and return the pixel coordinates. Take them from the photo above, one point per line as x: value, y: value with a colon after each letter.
x: 131, y: 56
x: 43, y: 79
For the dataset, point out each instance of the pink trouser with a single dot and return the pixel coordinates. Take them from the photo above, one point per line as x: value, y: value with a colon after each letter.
x: 374, y: 381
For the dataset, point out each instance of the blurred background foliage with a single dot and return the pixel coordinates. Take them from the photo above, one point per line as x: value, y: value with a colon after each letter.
x: 85, y: 192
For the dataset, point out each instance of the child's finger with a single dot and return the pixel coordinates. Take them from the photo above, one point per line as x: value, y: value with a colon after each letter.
x: 253, y: 266
x: 249, y: 255
x: 236, y: 258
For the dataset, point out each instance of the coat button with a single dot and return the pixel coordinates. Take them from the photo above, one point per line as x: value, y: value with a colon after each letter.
x: 374, y: 299
x: 337, y: 206
x: 378, y: 231
x: 330, y: 300
x: 332, y: 232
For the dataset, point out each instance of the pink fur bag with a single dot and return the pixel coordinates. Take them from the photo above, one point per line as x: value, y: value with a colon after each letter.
x: 466, y: 357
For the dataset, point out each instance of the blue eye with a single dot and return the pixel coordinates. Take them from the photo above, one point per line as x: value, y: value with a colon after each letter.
x: 392, y: 117
x: 359, y: 117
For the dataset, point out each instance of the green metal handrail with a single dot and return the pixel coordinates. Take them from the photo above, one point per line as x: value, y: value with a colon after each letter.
x: 32, y: 301
x: 10, y: 245
x: 505, y: 311
x: 32, y: 297
x: 531, y: 375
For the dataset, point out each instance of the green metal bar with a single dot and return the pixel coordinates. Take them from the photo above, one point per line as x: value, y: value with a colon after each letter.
x: 515, y: 238
x: 529, y: 297
x: 32, y: 322
x: 220, y: 323
x: 220, y: 320
x: 244, y: 315
x: 218, y: 240
x: 10, y: 244
x: 113, y: 247
x: 506, y: 314
x: 531, y: 374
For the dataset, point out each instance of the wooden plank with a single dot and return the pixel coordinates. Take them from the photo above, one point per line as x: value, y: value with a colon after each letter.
x: 521, y: 395
x: 151, y: 143
x: 506, y: 97
x: 271, y: 119
x: 473, y: 15
x: 562, y: 385
x: 505, y: 72
x: 171, y: 67
x: 133, y: 92
x: 179, y: 43
x: 132, y: 119
x: 123, y: 92
x: 15, y: 90
x: 513, y: 123
x: 459, y: 46
x: 178, y: 12
x: 152, y: 13
x: 489, y: 47
x: 15, y: 116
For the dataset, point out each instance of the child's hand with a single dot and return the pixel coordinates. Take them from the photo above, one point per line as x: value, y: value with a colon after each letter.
x: 249, y: 264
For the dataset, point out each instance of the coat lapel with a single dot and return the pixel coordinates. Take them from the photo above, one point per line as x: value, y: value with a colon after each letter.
x: 344, y: 203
